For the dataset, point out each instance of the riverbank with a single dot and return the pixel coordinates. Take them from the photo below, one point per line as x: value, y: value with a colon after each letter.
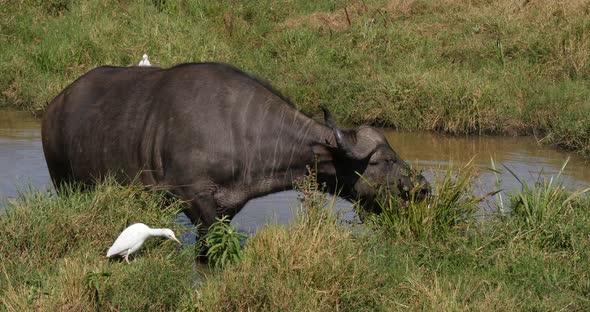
x: 501, y: 67
x: 432, y: 256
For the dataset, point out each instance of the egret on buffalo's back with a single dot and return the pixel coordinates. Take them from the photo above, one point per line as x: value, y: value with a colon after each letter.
x: 144, y: 61
x: 133, y: 237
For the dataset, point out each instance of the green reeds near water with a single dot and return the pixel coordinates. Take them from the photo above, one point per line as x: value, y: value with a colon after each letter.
x: 413, y: 256
x: 546, y: 213
x: 451, y: 207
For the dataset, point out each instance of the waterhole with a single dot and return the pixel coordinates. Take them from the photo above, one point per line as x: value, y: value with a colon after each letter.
x: 22, y: 165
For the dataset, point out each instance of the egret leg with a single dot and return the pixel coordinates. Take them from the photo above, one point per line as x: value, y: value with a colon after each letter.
x: 127, y: 258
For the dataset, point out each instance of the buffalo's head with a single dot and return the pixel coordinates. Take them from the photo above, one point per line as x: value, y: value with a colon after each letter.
x: 362, y: 163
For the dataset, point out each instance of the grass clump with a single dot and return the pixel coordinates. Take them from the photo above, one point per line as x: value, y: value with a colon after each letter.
x: 310, y: 265
x: 544, y: 212
x: 535, y: 258
x: 53, y: 252
x: 452, y: 208
x: 223, y: 243
x: 544, y: 202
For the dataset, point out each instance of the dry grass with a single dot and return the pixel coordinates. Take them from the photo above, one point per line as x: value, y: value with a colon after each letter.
x: 338, y: 19
x: 455, y: 66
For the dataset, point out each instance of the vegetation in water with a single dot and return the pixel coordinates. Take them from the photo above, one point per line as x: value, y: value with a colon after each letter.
x: 454, y: 66
x: 318, y: 264
x: 546, y: 211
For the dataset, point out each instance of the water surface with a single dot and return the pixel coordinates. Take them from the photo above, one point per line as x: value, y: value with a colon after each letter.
x: 21, y: 155
x: 22, y: 164
x: 523, y: 155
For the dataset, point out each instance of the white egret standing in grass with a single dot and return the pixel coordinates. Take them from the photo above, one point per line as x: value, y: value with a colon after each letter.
x: 133, y: 237
x: 144, y: 61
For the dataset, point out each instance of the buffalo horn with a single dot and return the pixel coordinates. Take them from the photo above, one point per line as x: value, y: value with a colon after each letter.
x: 341, y: 140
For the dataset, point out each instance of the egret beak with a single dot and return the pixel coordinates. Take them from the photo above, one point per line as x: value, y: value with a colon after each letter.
x: 176, y: 240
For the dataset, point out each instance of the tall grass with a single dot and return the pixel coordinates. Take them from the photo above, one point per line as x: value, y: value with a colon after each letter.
x: 52, y: 251
x: 315, y: 264
x: 544, y: 202
x: 544, y: 212
x: 498, y: 67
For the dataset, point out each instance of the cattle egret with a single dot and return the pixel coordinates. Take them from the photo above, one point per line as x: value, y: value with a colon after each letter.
x: 133, y: 237
x: 144, y: 61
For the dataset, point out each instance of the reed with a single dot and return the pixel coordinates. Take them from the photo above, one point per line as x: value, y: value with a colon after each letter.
x: 317, y: 264
x: 545, y: 212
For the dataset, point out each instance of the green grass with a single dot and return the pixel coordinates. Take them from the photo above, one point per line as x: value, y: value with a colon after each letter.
x: 451, y: 208
x: 223, y: 243
x: 317, y: 264
x: 53, y: 252
x: 537, y: 258
x: 546, y: 211
x: 454, y: 66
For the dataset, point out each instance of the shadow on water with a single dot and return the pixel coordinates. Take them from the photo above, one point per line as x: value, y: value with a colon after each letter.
x: 22, y: 163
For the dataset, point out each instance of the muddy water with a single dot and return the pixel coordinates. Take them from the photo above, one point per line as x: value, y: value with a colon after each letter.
x: 22, y: 164
x: 523, y: 155
x: 21, y: 154
x: 530, y: 161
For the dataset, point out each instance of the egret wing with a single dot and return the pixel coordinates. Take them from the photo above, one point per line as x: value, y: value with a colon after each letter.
x: 129, y: 238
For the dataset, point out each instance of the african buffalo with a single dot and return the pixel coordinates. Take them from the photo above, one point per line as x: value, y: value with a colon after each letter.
x: 211, y: 134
